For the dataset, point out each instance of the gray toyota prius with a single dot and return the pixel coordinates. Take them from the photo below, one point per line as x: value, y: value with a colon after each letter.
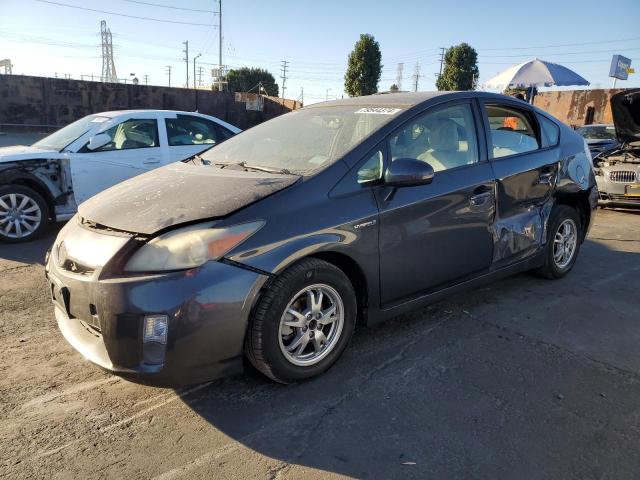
x: 274, y: 245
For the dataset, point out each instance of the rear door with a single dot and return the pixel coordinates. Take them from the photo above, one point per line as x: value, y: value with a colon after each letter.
x: 526, y: 169
x: 134, y: 149
x: 188, y: 135
x: 437, y: 234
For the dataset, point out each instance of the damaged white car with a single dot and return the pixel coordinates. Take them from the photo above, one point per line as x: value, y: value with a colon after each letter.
x: 48, y: 180
x: 618, y: 169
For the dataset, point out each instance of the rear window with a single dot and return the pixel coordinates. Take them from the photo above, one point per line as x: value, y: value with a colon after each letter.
x: 512, y: 131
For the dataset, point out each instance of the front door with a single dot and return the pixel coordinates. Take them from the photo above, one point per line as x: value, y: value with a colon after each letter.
x: 134, y: 149
x: 438, y: 234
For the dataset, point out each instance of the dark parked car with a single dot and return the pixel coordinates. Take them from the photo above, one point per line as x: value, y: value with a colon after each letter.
x: 275, y: 244
x: 599, y: 137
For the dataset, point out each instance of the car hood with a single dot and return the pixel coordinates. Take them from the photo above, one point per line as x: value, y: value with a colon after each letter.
x: 625, y: 108
x: 179, y: 193
x: 23, y: 152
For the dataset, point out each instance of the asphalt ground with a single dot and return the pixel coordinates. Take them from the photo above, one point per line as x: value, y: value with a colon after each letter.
x: 526, y: 378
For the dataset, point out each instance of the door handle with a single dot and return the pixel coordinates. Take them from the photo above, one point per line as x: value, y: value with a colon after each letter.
x: 151, y: 161
x: 481, y: 196
x: 546, y: 177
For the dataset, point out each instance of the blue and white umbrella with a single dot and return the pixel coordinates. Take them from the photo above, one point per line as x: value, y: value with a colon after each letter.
x: 535, y: 73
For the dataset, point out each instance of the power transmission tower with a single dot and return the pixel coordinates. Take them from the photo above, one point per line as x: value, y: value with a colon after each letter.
x: 108, y: 67
x: 416, y: 77
x: 169, y: 74
x: 285, y: 64
x: 146, y: 79
x: 399, y: 76
x: 301, y: 97
x: 200, y: 70
x: 186, y: 58
x: 442, y: 53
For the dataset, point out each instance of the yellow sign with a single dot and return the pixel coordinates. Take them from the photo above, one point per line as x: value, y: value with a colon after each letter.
x: 630, y: 70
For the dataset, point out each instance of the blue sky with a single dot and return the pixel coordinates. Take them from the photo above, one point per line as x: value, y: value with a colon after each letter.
x: 316, y: 37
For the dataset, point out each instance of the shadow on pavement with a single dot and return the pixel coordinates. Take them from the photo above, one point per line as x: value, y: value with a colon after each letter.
x: 469, y: 387
x: 30, y: 252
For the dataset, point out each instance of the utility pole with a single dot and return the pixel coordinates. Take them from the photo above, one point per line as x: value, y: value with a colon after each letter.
x: 169, y: 74
x: 442, y: 53
x: 285, y: 64
x: 301, y: 97
x: 399, y: 76
x: 186, y: 58
x: 146, y: 79
x: 416, y: 77
x: 194, y: 70
x: 220, y: 45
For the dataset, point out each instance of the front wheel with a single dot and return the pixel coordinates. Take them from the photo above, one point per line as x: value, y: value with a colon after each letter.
x: 563, y: 242
x: 24, y: 214
x: 302, y: 322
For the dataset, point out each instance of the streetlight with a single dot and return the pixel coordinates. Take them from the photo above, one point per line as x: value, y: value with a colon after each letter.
x: 327, y: 95
x: 194, y: 69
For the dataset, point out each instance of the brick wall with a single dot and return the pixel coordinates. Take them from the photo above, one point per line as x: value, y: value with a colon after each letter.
x: 56, y: 101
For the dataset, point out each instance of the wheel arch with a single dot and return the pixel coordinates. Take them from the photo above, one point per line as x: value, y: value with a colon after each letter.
x: 25, y: 179
x: 580, y: 202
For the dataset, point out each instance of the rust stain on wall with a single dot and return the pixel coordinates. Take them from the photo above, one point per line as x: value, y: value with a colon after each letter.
x: 572, y: 106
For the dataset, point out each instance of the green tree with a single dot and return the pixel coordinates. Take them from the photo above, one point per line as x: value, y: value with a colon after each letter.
x: 460, y: 70
x: 247, y: 79
x: 364, y: 67
x: 394, y: 88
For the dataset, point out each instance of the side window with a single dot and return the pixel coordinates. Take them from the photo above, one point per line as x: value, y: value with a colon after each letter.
x: 444, y: 138
x: 550, y: 132
x: 371, y: 170
x: 512, y: 131
x: 188, y: 130
x: 132, y: 134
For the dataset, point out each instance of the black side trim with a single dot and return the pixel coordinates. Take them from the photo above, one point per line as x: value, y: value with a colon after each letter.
x: 246, y: 267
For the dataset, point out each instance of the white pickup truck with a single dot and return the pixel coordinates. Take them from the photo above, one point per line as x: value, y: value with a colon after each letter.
x: 48, y: 180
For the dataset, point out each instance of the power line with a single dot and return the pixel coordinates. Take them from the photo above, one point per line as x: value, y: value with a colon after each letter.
x: 565, y: 44
x: 123, y: 14
x: 559, y: 53
x: 170, y: 6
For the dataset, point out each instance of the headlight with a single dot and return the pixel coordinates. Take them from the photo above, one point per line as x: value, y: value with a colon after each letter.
x: 189, y: 247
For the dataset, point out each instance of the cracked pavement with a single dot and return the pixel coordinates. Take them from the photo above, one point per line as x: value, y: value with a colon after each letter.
x: 524, y: 378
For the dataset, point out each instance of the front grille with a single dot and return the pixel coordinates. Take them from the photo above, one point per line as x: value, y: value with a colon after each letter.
x: 622, y: 176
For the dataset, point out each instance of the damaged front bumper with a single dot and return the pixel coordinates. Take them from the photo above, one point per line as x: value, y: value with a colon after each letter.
x: 207, y: 311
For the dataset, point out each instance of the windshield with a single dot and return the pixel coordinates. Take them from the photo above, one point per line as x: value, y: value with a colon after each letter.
x: 63, y: 137
x: 598, y: 132
x: 302, y: 141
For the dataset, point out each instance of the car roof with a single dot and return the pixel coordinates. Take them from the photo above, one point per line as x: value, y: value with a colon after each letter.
x: 404, y: 99
x: 115, y: 113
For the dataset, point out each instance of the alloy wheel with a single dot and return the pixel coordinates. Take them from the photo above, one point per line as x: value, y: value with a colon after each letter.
x: 564, y: 243
x: 311, y: 325
x: 20, y: 215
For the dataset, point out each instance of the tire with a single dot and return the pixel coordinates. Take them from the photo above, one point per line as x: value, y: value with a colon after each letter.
x: 270, y: 343
x: 555, y: 267
x: 32, y: 210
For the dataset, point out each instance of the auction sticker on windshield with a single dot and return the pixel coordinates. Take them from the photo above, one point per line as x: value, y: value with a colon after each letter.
x: 379, y: 110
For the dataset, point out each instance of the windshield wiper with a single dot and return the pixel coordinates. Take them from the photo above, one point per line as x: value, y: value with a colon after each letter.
x: 258, y: 168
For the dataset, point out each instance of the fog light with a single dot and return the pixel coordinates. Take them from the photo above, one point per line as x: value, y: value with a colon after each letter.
x: 155, y: 329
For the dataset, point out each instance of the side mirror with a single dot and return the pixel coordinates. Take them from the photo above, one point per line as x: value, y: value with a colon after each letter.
x: 408, y: 172
x: 99, y: 140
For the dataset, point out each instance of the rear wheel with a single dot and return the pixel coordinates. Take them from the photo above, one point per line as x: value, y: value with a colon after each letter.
x: 24, y: 214
x: 563, y: 242
x: 302, y: 322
